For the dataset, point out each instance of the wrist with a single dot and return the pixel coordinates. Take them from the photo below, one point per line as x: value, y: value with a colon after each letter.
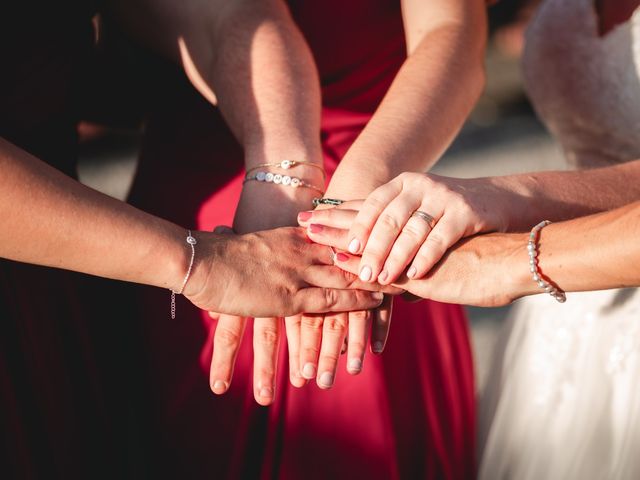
x: 514, y: 266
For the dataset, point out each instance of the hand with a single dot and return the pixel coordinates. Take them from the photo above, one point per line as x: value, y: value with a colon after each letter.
x: 484, y: 270
x: 265, y: 274
x: 383, y: 230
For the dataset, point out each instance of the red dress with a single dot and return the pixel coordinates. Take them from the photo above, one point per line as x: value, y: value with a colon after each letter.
x: 410, y: 414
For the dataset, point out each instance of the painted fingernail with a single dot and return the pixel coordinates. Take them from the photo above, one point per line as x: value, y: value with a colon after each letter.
x: 377, y: 347
x: 304, y: 216
x: 354, y: 365
x: 219, y: 386
x: 377, y: 295
x: 315, y: 228
x: 365, y: 273
x: 383, y: 276
x: 266, y: 392
x: 354, y: 246
x: 342, y: 257
x: 412, y: 272
x: 309, y: 371
x: 326, y: 379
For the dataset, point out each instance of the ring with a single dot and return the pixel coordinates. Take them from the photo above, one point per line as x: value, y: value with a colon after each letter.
x: 426, y: 217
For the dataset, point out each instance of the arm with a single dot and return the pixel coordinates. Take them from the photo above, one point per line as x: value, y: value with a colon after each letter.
x: 428, y: 101
x: 595, y: 252
x: 49, y: 219
x: 251, y: 54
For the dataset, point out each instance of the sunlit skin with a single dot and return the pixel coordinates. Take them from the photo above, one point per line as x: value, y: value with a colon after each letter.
x: 594, y: 252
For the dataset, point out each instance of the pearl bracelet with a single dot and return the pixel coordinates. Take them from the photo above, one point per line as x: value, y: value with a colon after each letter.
x: 191, y: 241
x: 277, y: 179
x: 532, y: 250
x: 287, y: 164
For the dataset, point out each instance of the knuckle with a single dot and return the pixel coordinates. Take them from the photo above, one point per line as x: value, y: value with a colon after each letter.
x: 226, y: 337
x: 389, y: 222
x: 360, y: 315
x: 413, y: 231
x: 329, y: 358
x: 331, y: 297
x: 335, y: 324
x: 266, y: 335
x: 312, y: 323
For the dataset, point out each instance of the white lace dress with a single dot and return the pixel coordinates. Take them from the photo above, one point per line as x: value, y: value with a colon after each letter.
x: 563, y: 397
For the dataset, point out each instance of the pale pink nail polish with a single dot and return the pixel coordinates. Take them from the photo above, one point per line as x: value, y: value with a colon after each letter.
x: 326, y: 379
x: 354, y: 246
x: 365, y: 273
x: 342, y: 257
x: 309, y: 371
x: 383, y: 276
x: 412, y: 272
x: 304, y: 216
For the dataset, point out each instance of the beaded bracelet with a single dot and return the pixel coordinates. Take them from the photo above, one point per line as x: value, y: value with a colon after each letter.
x: 277, y: 179
x: 191, y: 241
x: 532, y: 249
x: 286, y: 165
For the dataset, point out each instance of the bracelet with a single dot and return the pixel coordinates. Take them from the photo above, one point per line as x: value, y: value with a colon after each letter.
x: 277, y: 179
x: 326, y: 201
x: 192, y: 242
x: 286, y: 165
x: 532, y: 249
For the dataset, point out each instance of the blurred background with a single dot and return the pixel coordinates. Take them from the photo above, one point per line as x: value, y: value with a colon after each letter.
x: 501, y: 136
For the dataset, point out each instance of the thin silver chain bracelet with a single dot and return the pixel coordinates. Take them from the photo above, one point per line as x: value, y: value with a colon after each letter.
x: 191, y: 241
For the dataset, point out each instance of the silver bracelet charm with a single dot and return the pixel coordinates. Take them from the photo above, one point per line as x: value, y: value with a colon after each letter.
x: 277, y: 179
x: 191, y: 241
x: 327, y: 201
x: 532, y: 250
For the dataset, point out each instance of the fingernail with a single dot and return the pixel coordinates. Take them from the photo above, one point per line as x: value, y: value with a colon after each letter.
x: 377, y: 347
x: 354, y: 246
x: 315, y: 228
x: 219, y: 386
x: 377, y: 295
x: 365, y: 273
x: 383, y: 276
x: 309, y: 371
x: 266, y: 392
x: 326, y: 379
x: 342, y: 257
x: 355, y: 365
x: 412, y: 272
x: 304, y: 216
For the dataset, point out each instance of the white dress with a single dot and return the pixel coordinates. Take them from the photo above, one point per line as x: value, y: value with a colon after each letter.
x: 563, y: 397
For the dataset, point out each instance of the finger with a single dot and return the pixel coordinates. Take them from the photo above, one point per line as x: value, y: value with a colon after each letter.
x: 444, y: 234
x: 331, y: 217
x: 292, y: 325
x: 369, y: 212
x: 346, y: 262
x: 266, y: 340
x: 322, y: 300
x: 310, y: 338
x: 333, y: 237
x: 383, y: 235
x: 334, y: 330
x: 332, y: 276
x: 359, y: 324
x: 226, y: 343
x: 405, y: 248
x: 381, y: 325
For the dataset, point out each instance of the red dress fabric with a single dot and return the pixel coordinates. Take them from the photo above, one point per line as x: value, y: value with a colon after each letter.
x: 410, y: 414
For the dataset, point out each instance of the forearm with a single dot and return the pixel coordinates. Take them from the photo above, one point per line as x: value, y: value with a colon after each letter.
x: 557, y: 196
x: 423, y: 110
x: 595, y: 252
x: 49, y: 219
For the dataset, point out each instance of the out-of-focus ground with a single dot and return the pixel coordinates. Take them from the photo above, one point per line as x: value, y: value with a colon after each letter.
x: 502, y: 136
